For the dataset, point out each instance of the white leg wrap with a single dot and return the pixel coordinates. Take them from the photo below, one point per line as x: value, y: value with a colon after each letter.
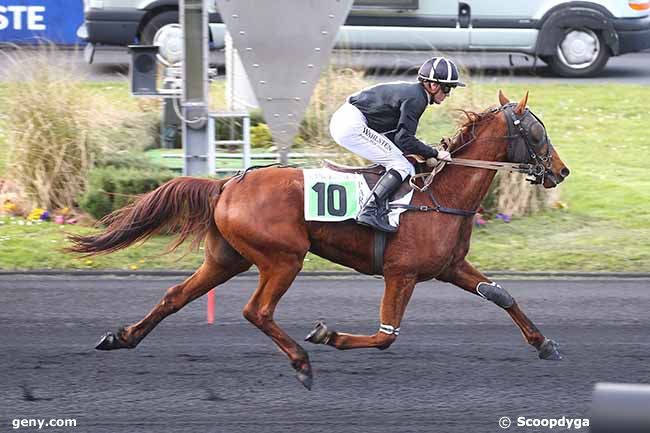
x: 388, y: 329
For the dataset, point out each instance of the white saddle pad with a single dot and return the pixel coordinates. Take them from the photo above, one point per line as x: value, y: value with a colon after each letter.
x: 335, y: 196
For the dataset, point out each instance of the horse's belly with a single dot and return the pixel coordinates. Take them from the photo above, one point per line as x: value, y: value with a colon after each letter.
x: 344, y: 243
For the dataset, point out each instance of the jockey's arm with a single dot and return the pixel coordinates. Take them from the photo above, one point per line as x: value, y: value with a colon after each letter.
x: 405, y: 140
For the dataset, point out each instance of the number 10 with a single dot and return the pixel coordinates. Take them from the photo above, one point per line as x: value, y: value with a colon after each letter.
x: 334, y: 209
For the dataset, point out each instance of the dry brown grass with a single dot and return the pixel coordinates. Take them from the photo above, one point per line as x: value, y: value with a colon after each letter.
x: 334, y: 86
x: 517, y: 197
x: 57, y: 127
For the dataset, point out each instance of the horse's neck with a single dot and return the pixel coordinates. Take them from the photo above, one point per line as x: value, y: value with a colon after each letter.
x: 465, y: 187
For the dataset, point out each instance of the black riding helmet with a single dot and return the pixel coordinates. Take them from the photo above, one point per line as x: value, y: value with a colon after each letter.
x: 440, y: 70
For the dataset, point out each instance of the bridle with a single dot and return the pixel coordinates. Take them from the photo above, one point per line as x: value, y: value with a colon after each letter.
x: 522, y: 156
x: 538, y: 165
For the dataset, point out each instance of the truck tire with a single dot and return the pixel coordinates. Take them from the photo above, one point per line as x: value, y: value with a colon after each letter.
x: 582, y: 52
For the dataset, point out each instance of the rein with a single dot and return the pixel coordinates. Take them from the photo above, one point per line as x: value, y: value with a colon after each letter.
x: 513, y: 167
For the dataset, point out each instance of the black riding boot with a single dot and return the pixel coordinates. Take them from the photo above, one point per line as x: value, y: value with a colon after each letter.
x: 375, y: 213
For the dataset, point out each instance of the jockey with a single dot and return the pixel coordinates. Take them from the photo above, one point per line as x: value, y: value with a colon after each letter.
x: 379, y: 124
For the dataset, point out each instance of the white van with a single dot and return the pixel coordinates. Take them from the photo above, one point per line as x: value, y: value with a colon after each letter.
x: 575, y: 38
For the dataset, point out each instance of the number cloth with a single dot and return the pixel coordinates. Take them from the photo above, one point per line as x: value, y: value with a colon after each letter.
x: 335, y: 196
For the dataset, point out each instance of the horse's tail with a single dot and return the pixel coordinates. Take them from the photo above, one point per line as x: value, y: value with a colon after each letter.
x: 183, y: 206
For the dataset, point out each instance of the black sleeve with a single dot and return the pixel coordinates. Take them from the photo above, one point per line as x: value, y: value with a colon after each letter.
x: 410, y: 112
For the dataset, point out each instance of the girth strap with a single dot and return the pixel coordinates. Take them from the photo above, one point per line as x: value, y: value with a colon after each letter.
x: 378, y: 247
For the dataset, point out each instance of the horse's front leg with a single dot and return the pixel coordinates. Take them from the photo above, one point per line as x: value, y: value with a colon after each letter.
x: 397, y: 293
x: 469, y: 278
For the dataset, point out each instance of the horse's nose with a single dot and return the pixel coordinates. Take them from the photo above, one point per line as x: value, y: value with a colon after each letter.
x: 564, y: 172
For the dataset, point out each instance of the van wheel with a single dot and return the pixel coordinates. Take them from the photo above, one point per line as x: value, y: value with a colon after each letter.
x: 580, y: 53
x: 157, y: 22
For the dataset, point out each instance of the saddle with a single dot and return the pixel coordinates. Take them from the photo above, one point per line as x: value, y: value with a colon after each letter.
x: 373, y: 172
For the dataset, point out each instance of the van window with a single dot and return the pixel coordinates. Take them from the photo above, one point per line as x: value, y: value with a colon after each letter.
x: 388, y: 4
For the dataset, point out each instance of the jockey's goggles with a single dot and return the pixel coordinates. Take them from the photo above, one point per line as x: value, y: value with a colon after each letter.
x: 446, y: 88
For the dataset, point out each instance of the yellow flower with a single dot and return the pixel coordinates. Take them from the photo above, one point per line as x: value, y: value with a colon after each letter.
x: 9, y: 207
x: 35, y: 214
x: 133, y: 267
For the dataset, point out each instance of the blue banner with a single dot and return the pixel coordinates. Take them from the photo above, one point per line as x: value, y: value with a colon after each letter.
x: 30, y: 22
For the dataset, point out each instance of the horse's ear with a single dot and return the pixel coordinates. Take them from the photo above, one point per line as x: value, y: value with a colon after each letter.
x: 519, y: 109
x: 502, y: 98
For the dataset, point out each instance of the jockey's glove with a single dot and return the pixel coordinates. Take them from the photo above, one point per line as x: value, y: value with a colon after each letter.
x: 443, y: 155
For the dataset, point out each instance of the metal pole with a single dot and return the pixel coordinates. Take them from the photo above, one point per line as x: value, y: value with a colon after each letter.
x: 620, y: 408
x: 247, y: 141
x: 194, y: 20
x: 212, y: 146
x: 210, y: 308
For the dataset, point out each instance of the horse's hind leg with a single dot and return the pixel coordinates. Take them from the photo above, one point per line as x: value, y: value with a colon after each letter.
x: 397, y: 293
x: 275, y: 280
x: 221, y: 263
x: 469, y: 278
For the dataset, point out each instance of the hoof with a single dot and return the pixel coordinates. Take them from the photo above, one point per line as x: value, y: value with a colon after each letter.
x: 303, y: 372
x: 320, y: 334
x: 305, y: 377
x: 111, y: 341
x: 549, y: 350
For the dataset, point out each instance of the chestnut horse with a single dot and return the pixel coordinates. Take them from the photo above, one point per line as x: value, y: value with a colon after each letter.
x: 259, y: 219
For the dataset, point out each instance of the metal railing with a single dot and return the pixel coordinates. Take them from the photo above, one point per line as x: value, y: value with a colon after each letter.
x: 297, y: 157
x: 246, y: 155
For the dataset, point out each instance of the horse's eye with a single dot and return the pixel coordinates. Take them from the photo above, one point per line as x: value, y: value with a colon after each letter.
x: 537, y: 134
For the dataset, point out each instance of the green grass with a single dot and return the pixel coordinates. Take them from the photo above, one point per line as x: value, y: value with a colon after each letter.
x: 25, y: 245
x: 600, y: 131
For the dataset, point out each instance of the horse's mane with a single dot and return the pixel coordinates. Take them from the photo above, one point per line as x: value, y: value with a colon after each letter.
x: 467, y: 126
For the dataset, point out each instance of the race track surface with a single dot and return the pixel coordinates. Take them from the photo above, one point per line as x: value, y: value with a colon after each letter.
x: 459, y: 365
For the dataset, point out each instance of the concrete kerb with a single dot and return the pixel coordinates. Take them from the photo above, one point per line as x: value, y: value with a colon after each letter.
x: 108, y: 273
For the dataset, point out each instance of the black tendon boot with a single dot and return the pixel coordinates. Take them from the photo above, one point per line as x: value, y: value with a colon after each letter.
x: 375, y: 213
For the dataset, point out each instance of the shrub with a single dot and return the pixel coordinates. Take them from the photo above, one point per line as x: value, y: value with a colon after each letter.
x: 51, y: 149
x: 57, y: 128
x: 111, y: 188
x: 261, y: 136
x: 232, y: 129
